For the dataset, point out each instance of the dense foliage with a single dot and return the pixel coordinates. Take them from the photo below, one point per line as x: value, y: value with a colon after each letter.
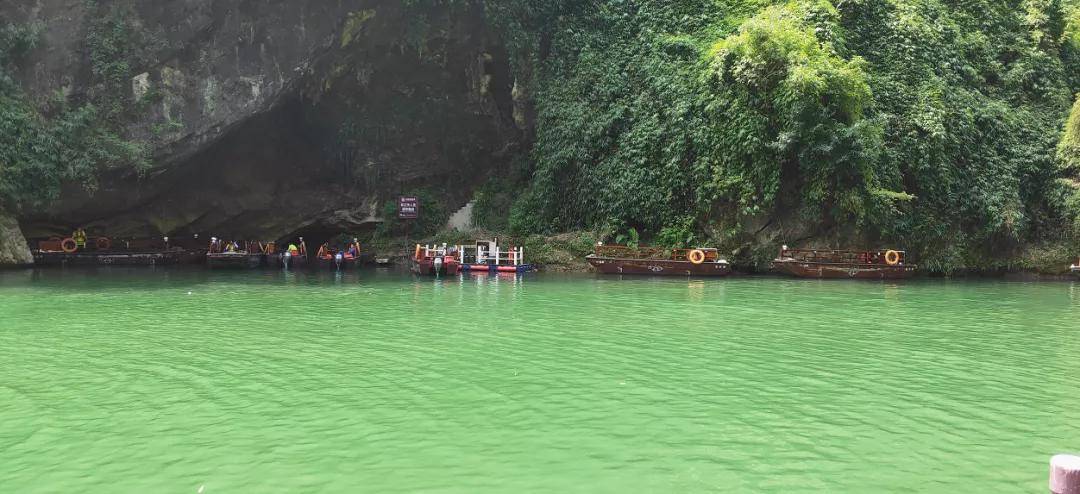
x: 46, y: 145
x: 929, y: 124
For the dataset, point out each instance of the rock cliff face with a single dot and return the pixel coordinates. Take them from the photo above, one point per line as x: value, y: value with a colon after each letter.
x: 271, y: 118
x: 13, y: 250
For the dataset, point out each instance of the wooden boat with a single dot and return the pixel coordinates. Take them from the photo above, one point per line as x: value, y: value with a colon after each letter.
x: 336, y: 262
x: 234, y: 260
x: 869, y: 265
x: 618, y: 259
x: 252, y: 256
x: 101, y: 251
x: 486, y: 256
x: 434, y: 261
x: 339, y: 260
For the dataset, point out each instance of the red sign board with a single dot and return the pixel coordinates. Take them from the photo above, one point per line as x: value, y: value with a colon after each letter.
x: 408, y: 208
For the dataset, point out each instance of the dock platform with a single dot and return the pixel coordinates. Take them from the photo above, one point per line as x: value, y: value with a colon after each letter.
x: 154, y: 258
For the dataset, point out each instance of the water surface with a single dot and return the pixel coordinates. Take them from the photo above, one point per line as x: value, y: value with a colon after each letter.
x: 167, y: 381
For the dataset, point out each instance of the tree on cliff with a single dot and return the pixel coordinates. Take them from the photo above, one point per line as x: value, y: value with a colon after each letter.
x: 922, y: 124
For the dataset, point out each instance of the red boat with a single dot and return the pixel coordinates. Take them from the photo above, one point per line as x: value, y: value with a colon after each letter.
x: 618, y: 259
x: 435, y: 261
x: 868, y: 265
x: 339, y: 260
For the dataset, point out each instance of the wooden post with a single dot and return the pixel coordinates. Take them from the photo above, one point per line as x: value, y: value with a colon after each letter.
x: 1065, y: 474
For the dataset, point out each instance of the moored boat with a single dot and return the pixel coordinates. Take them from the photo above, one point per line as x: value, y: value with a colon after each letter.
x: 339, y: 260
x: 225, y: 255
x: 1075, y: 268
x: 434, y: 261
x: 618, y: 259
x: 290, y: 260
x: 234, y: 260
x: 102, y: 251
x: 869, y: 265
x: 486, y: 256
x: 336, y: 261
x: 294, y: 256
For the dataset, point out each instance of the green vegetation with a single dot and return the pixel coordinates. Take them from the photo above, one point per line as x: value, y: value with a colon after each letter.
x: 354, y: 24
x: 43, y: 147
x: 939, y: 126
x: 1069, y: 156
x: 925, y: 124
x: 433, y: 215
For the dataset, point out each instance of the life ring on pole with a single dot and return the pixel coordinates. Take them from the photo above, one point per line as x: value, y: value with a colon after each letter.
x: 892, y: 258
x: 696, y: 256
x: 103, y: 243
x: 69, y: 245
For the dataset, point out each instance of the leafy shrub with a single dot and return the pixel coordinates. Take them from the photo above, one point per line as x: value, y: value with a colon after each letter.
x: 39, y: 154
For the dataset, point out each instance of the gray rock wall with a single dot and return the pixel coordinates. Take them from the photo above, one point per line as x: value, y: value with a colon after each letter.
x: 13, y: 249
x: 269, y: 117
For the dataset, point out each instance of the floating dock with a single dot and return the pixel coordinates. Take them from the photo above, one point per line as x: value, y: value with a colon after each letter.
x: 658, y: 261
x: 158, y: 258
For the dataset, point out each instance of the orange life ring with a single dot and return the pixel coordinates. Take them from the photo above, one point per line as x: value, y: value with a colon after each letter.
x: 696, y: 256
x: 103, y: 243
x: 892, y: 258
x: 68, y: 245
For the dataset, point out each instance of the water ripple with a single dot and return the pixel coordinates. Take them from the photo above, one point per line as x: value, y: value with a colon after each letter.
x: 136, y: 381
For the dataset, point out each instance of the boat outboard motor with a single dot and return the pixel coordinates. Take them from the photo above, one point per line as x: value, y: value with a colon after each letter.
x: 438, y: 264
x: 285, y: 259
x: 337, y: 260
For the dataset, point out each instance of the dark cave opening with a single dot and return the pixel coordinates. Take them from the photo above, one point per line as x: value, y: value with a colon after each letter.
x: 323, y: 156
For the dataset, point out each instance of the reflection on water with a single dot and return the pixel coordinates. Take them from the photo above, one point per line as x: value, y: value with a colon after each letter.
x: 136, y: 380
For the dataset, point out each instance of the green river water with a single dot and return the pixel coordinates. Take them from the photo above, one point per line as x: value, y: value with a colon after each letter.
x: 120, y: 381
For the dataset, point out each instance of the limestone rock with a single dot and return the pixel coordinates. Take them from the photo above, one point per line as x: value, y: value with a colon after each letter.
x: 13, y: 249
x: 270, y: 117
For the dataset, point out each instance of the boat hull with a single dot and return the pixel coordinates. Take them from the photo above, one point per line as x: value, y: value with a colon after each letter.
x: 491, y: 268
x: 280, y: 260
x: 334, y: 265
x: 1075, y: 271
x: 235, y: 261
x: 426, y: 267
x: 657, y: 267
x: 823, y: 270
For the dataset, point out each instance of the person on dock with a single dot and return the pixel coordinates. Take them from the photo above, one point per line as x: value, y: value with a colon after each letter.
x: 80, y: 238
x: 324, y: 251
x: 303, y: 247
x: 354, y: 249
x: 294, y: 250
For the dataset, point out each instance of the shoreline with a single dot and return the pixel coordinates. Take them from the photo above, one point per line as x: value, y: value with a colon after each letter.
x: 1026, y: 276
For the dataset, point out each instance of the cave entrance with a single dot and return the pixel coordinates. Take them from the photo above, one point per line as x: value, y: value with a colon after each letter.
x: 335, y: 235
